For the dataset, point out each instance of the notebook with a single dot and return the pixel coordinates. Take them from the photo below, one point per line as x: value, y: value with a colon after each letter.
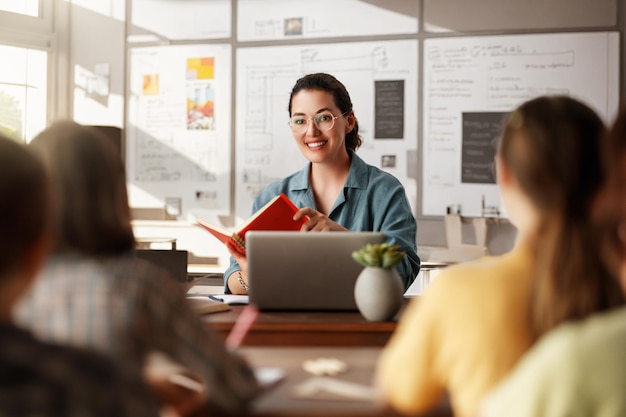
x: 304, y: 271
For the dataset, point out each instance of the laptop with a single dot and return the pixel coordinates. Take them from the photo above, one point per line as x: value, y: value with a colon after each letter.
x: 304, y: 271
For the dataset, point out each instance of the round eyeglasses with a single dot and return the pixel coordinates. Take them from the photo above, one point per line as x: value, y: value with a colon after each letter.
x: 323, y: 121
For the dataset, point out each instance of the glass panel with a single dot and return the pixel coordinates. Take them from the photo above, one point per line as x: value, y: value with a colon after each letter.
x: 23, y: 92
x: 25, y: 7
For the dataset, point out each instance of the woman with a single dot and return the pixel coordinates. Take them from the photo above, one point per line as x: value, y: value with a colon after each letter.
x: 579, y: 368
x: 38, y: 378
x: 337, y: 190
x: 477, y: 319
x: 94, y: 292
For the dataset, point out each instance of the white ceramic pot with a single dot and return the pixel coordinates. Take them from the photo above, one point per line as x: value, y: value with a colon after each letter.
x: 378, y: 293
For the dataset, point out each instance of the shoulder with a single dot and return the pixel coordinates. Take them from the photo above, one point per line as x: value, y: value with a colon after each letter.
x: 75, y: 379
x: 577, y: 363
x: 488, y: 269
x: 376, y: 175
x: 135, y: 278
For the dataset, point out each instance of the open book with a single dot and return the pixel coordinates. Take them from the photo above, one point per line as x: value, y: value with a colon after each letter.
x: 277, y: 214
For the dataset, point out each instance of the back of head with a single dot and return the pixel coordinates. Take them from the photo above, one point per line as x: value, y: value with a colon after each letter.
x: 552, y: 147
x: 612, y: 213
x: 88, y: 183
x: 23, y: 204
x: 325, y: 82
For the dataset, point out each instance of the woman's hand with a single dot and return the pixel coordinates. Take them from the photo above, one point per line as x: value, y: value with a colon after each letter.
x: 318, y: 222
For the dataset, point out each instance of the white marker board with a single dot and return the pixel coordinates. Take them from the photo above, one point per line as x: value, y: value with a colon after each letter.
x: 473, y: 81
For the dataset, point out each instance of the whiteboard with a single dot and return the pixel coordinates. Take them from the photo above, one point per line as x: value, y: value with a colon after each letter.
x: 471, y: 82
x: 179, y: 128
x: 265, y: 148
x: 181, y: 20
x: 288, y: 19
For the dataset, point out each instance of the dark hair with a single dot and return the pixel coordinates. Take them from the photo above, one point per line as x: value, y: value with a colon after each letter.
x: 325, y: 82
x: 88, y: 184
x: 551, y: 144
x: 612, y: 216
x: 24, y: 207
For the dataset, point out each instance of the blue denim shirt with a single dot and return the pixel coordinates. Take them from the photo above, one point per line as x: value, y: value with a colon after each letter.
x: 372, y: 200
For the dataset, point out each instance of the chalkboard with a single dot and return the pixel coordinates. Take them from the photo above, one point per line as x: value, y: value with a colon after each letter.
x: 389, y: 109
x: 480, y: 141
x: 470, y: 83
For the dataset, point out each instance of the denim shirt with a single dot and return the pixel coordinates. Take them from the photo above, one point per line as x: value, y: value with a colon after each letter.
x: 372, y: 200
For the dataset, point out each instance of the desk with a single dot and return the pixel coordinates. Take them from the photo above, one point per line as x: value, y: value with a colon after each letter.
x: 426, y: 267
x: 307, y: 328
x: 280, y: 401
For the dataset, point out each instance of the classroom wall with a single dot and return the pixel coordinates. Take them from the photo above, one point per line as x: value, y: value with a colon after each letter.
x: 98, y: 37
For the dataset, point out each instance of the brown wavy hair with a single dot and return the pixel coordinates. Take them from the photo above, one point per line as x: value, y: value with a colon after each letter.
x: 88, y: 183
x: 612, y: 209
x: 552, y: 145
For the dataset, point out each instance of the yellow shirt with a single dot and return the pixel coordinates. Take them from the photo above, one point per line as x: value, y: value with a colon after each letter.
x: 576, y: 370
x: 462, y: 336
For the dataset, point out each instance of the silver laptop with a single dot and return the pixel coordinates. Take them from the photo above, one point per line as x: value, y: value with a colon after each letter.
x: 304, y: 271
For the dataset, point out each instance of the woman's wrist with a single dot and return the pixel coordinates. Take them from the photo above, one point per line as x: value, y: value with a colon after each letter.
x: 241, y: 282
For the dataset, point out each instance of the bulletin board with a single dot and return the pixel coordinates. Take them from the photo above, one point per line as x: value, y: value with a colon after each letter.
x: 472, y: 83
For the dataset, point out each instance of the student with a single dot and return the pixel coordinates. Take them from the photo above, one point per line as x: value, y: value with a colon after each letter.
x: 579, y: 368
x: 336, y: 190
x: 94, y: 292
x: 477, y: 319
x: 36, y: 378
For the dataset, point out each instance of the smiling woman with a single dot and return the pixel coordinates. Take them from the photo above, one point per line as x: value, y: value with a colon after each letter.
x: 336, y: 190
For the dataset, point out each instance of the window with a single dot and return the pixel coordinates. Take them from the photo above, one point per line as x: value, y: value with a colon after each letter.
x: 23, y: 91
x: 25, y: 7
x: 26, y: 42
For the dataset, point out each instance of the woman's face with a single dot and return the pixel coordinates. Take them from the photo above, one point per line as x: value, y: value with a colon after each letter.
x: 318, y: 145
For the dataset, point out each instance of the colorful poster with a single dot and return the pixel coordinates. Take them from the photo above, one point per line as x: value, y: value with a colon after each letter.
x: 200, y: 93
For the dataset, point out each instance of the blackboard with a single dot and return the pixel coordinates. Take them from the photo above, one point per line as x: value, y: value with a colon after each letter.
x: 389, y: 109
x: 481, y: 131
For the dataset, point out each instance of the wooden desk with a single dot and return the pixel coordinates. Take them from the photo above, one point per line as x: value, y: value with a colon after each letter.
x: 307, y: 328
x: 281, y: 400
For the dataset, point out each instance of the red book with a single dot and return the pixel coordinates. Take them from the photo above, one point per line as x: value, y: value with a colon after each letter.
x: 275, y: 215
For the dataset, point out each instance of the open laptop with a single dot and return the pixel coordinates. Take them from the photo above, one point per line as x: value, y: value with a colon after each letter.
x: 304, y: 271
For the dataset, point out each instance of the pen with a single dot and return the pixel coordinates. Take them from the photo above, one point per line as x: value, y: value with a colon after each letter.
x: 215, y: 298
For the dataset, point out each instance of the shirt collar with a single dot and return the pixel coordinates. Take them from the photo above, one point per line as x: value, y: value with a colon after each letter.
x: 357, y: 177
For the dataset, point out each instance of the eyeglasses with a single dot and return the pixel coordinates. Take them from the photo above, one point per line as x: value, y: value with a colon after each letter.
x: 323, y: 121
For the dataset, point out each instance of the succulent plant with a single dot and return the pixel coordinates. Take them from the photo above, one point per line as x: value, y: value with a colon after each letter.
x: 380, y: 255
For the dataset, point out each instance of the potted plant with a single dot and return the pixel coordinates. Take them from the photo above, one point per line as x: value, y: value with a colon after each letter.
x: 378, y: 291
